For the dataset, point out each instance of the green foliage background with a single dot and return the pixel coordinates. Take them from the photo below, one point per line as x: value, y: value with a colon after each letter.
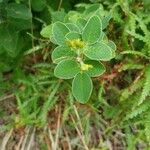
x: 120, y: 101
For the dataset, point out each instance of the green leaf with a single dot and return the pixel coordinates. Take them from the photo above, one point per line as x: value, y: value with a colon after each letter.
x: 58, y: 16
x: 91, y: 9
x: 82, y: 87
x: 53, y: 40
x: 18, y: 11
x: 67, y: 69
x: 102, y: 36
x: 38, y: 5
x: 81, y: 23
x: 73, y: 27
x: 19, y: 15
x: 96, y: 68
x: 47, y: 31
x: 72, y: 16
x: 62, y: 52
x: 146, y: 87
x: 10, y: 40
x: 98, y: 51
x: 73, y: 35
x: 59, y: 31
x: 92, y: 30
x: 20, y: 24
x: 105, y: 38
x: 105, y: 21
x: 112, y: 45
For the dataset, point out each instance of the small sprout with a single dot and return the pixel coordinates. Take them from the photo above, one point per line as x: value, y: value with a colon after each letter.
x: 76, y: 44
x: 85, y: 67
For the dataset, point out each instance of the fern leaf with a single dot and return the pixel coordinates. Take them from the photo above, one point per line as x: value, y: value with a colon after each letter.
x: 147, y: 127
x: 138, y: 110
x: 146, y: 88
x: 131, y: 52
x: 131, y: 66
x: 126, y: 93
x: 137, y: 36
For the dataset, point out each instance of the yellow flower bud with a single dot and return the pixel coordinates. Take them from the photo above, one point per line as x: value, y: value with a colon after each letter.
x: 75, y: 44
x: 85, y: 67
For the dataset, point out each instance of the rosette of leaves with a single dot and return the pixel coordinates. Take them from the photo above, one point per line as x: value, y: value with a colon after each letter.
x: 81, y: 47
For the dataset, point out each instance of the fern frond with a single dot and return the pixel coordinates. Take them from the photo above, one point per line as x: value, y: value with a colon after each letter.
x: 141, y: 24
x: 132, y: 24
x: 131, y: 90
x: 42, y: 65
x: 33, y: 50
x: 146, y: 88
x: 131, y: 66
x: 135, y: 53
x: 52, y: 98
x: 147, y: 127
x: 138, y: 110
x: 137, y: 36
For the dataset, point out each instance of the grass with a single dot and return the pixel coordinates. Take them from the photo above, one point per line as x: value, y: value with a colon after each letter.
x: 56, y: 121
x: 42, y: 114
x: 73, y: 131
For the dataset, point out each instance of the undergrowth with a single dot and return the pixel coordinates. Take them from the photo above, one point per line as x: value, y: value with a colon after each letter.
x: 39, y: 111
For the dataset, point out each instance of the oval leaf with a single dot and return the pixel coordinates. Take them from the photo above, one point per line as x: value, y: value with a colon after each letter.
x: 99, y: 51
x: 73, y: 35
x: 81, y: 23
x: 96, y: 68
x: 59, y: 31
x: 91, y: 9
x: 38, y: 5
x: 18, y: 11
x: 105, y: 21
x: 67, y: 69
x: 92, y: 30
x: 113, y: 47
x: 62, y: 52
x: 73, y: 27
x: 47, y: 31
x: 82, y: 87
